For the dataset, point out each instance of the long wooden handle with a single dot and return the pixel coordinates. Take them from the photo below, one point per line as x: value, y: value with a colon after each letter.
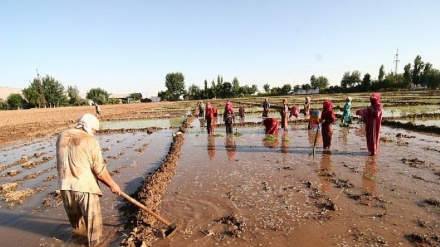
x: 142, y: 206
x: 316, y: 138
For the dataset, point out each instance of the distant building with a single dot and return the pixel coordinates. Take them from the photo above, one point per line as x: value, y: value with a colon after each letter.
x: 310, y: 91
x: 155, y: 99
x: 122, y: 98
x: 417, y: 86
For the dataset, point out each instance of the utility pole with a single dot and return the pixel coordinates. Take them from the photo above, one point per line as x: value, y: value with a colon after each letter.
x: 42, y: 99
x: 396, y: 61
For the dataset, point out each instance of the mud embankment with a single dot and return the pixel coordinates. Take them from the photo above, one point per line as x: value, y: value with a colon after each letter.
x: 145, y: 228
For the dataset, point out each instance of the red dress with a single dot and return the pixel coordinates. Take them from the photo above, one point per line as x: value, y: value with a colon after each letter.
x: 327, y: 118
x: 372, y: 117
x: 271, y: 125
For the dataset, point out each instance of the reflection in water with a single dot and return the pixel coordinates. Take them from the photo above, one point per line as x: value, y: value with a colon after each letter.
x: 312, y: 135
x: 271, y: 140
x: 211, y: 146
x: 285, y: 143
x: 345, y: 133
x: 369, y: 178
x: 230, y: 146
x: 202, y: 123
x: 325, y: 172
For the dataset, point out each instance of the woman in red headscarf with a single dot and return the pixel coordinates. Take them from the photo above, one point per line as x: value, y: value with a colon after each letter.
x: 229, y: 117
x: 209, y: 117
x: 271, y: 125
x: 327, y: 119
x: 372, y: 117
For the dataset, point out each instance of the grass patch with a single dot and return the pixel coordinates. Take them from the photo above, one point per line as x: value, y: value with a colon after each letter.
x: 218, y: 135
x: 237, y: 134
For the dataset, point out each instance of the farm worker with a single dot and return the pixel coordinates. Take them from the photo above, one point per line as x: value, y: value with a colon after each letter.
x: 372, y: 117
x: 271, y: 125
x: 327, y: 119
x: 284, y: 114
x: 80, y: 165
x: 241, y: 112
x: 346, y: 114
x: 209, y: 116
x: 266, y: 106
x: 229, y: 117
x: 315, y: 115
x: 97, y: 109
x: 307, y: 106
x: 294, y: 112
x: 201, y: 109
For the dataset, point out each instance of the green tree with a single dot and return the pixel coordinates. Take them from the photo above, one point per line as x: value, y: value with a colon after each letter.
x: 306, y: 87
x: 381, y: 73
x: 73, y: 94
x: 407, y: 78
x: 194, y: 92
x: 366, y: 82
x: 266, y: 87
x: 285, y: 89
x: 276, y: 90
x: 15, y: 101
x: 53, y: 92
x: 213, y: 90
x: 235, y: 86
x: 427, y: 68
x: 321, y: 82
x: 136, y: 96
x: 350, y: 80
x: 98, y: 95
x: 416, y: 73
x: 432, y: 79
x: 226, y: 90
x: 313, y: 82
x: 32, y: 95
x: 206, y: 89
x: 175, y: 84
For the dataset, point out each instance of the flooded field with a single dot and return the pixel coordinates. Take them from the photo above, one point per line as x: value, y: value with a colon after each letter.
x: 241, y: 190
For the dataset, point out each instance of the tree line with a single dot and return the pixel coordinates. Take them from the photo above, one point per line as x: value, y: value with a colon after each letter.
x: 49, y: 92
x: 420, y: 73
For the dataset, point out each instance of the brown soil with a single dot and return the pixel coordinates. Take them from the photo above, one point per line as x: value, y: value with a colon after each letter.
x: 24, y: 124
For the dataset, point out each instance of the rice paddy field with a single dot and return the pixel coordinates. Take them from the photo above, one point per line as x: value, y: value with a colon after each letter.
x: 241, y: 189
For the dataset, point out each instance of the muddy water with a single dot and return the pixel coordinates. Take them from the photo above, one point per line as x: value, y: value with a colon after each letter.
x: 241, y: 190
x: 244, y: 191
x: 40, y: 220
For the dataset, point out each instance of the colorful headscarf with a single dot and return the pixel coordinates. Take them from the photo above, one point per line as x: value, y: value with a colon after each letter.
x: 375, y: 99
x: 327, y: 105
x: 208, y: 105
x: 228, y: 106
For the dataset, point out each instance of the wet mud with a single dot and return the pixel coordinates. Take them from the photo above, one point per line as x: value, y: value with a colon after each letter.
x: 244, y: 189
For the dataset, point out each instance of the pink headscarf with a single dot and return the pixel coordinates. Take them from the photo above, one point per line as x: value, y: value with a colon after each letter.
x: 375, y: 99
x: 208, y: 105
x: 228, y: 106
x: 327, y: 105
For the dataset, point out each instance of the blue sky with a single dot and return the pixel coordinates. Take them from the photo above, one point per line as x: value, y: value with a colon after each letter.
x: 130, y: 46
